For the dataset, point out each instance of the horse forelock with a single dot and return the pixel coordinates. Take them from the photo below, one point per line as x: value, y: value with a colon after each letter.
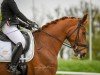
x: 57, y: 20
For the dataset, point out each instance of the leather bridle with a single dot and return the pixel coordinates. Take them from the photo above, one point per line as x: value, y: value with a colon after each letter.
x: 75, y: 43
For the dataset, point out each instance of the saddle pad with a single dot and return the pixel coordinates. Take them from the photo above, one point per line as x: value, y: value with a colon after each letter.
x: 6, y: 49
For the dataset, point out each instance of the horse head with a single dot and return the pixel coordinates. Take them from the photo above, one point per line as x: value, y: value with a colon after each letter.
x: 76, y: 35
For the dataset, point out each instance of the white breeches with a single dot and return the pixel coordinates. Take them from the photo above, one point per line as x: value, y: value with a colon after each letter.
x: 14, y: 34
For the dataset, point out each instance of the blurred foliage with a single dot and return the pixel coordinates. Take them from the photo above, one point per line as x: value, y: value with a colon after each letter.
x: 96, y: 46
x: 79, y: 65
x: 0, y: 16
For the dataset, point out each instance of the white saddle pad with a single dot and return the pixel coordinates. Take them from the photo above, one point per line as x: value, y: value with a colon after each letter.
x: 6, y: 49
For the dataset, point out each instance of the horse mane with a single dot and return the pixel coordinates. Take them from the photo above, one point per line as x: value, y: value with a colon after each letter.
x: 55, y: 21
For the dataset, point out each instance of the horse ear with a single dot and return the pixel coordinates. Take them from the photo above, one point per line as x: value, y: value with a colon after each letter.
x: 84, y: 18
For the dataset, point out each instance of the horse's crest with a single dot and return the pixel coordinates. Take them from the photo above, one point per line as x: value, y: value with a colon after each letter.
x: 57, y: 20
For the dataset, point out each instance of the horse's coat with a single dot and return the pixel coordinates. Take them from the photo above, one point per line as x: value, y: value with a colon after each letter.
x: 47, y: 47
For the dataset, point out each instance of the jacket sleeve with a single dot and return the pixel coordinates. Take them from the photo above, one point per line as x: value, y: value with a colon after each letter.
x: 16, y: 11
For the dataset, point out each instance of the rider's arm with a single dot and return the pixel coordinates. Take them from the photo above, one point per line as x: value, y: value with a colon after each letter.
x: 16, y: 11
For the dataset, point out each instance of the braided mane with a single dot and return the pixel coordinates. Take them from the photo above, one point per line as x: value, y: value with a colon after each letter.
x: 55, y: 21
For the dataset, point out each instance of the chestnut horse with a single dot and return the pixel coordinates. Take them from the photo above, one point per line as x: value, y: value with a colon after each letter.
x: 48, y: 41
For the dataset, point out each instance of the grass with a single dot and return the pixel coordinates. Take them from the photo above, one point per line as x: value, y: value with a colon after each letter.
x: 79, y: 65
x: 83, y: 65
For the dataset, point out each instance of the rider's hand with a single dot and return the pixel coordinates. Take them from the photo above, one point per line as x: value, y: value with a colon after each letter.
x: 35, y: 25
x: 32, y: 24
x: 28, y: 27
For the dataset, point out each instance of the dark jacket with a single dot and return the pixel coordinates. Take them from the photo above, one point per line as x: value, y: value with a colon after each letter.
x: 10, y: 11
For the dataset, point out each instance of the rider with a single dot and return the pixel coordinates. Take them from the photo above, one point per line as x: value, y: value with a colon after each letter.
x: 10, y: 17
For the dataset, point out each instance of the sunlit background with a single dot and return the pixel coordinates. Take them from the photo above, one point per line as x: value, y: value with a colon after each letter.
x: 44, y: 11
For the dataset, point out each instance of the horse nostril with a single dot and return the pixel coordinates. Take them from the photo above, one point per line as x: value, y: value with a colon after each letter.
x: 82, y: 55
x: 79, y: 54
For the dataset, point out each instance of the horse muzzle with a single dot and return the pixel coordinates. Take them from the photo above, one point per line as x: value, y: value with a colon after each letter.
x: 81, y: 52
x: 80, y: 56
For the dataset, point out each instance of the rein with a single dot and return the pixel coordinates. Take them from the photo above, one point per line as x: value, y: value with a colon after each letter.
x: 65, y: 44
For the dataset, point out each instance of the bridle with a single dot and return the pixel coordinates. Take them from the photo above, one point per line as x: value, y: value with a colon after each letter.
x: 75, y: 43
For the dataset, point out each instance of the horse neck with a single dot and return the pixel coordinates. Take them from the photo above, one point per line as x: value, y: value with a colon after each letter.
x: 57, y: 34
